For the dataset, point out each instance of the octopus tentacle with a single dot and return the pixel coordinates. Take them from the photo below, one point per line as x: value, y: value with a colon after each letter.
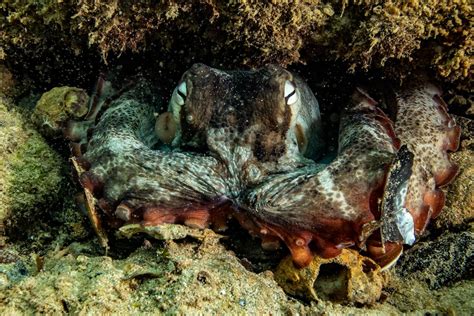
x: 324, y: 208
x: 134, y: 184
x: 429, y: 132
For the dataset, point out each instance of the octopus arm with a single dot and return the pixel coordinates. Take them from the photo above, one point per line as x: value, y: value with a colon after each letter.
x: 133, y: 183
x: 429, y: 132
x: 324, y: 208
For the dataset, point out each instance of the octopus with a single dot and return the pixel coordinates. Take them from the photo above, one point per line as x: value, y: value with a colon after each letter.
x: 248, y: 145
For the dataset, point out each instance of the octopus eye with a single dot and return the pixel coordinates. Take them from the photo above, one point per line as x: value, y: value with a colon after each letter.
x: 179, y: 94
x: 182, y: 89
x: 290, y: 93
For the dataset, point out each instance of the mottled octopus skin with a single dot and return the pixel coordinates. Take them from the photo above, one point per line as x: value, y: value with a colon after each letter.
x: 331, y: 206
x: 239, y: 154
x: 240, y: 117
x: 424, y: 125
x: 133, y: 183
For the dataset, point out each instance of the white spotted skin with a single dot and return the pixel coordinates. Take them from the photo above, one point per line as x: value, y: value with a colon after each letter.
x: 429, y: 132
x: 120, y: 155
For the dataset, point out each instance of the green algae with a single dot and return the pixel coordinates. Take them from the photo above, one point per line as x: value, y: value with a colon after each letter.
x: 35, y: 178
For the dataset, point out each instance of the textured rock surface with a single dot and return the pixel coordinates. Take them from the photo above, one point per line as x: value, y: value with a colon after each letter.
x: 441, y: 262
x: 364, y: 34
x: 33, y: 183
x: 29, y: 170
x: 412, y: 296
x: 348, y: 277
x: 181, y: 278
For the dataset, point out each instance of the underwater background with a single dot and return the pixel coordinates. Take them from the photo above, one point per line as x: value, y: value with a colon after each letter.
x: 50, y: 258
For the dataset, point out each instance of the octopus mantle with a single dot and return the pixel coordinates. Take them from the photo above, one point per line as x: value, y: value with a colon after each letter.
x: 246, y: 144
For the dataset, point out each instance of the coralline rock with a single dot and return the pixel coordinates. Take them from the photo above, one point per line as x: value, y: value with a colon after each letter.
x: 21, y: 171
x: 413, y: 297
x: 365, y: 34
x: 348, y: 278
x: 164, y: 231
x: 444, y: 261
x: 435, y: 277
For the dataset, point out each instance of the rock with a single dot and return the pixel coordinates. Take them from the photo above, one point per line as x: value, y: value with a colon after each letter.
x: 349, y: 277
x: 392, y: 36
x: 7, y: 83
x: 185, y: 278
x: 57, y: 106
x: 33, y: 183
x: 441, y: 262
x: 413, y: 297
x: 166, y: 231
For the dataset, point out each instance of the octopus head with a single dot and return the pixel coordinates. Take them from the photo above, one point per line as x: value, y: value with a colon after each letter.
x: 269, y: 110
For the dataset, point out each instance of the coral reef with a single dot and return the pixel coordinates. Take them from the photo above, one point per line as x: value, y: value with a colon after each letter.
x: 51, y: 43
